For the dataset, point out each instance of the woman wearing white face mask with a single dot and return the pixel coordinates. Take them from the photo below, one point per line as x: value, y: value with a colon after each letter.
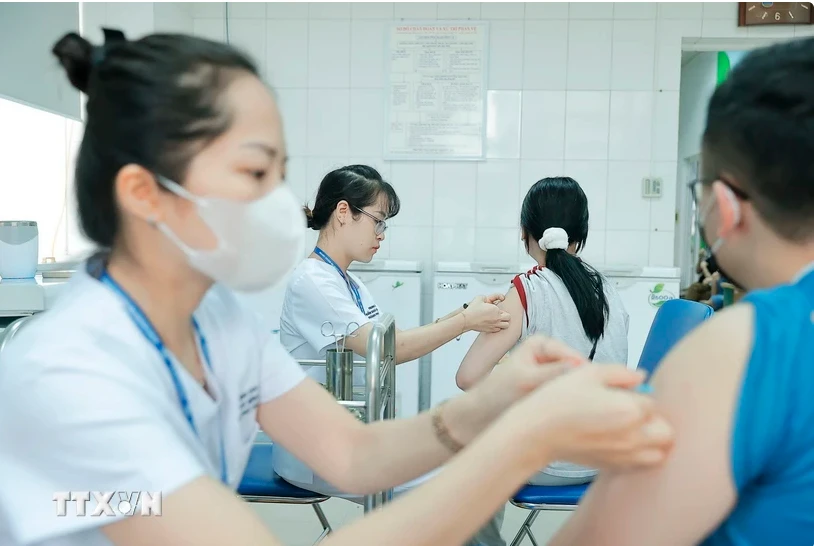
x: 148, y: 376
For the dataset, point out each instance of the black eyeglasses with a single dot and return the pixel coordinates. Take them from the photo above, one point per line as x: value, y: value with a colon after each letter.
x: 697, y: 185
x: 380, y: 225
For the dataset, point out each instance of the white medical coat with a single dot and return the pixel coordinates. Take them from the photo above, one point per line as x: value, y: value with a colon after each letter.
x: 317, y: 293
x: 87, y: 404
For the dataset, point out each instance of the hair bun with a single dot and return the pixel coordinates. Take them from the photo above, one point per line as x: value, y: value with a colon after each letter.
x: 75, y: 54
x: 309, y: 216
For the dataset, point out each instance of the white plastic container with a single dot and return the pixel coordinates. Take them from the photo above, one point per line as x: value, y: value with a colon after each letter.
x: 19, y: 249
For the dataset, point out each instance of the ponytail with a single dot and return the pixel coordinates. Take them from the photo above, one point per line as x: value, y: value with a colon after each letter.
x: 554, y: 215
x: 585, y: 285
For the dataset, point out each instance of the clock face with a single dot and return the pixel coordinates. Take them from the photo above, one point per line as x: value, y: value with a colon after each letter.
x: 775, y: 13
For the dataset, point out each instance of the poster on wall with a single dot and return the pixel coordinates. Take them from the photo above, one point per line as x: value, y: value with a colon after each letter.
x: 436, y: 94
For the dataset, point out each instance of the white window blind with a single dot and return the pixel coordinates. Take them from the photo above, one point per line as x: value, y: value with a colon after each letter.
x: 29, y: 72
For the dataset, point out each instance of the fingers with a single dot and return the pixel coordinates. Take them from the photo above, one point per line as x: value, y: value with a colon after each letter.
x: 617, y: 375
x: 540, y: 374
x: 494, y: 298
x: 647, y: 445
x: 658, y: 432
x: 501, y: 322
x: 544, y: 349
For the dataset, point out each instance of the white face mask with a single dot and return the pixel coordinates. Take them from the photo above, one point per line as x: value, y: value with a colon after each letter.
x: 259, y: 242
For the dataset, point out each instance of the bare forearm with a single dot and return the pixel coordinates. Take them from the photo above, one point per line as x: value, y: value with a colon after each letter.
x: 433, y: 513
x: 415, y: 343
x: 455, y: 312
x: 393, y: 452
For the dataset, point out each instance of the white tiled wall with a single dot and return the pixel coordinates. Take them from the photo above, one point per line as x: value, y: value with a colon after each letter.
x: 589, y: 90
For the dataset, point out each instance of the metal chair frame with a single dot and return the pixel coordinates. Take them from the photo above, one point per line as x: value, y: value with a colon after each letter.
x: 314, y: 502
x: 534, y: 511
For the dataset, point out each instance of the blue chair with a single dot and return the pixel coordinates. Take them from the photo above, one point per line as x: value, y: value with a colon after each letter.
x: 674, y: 320
x: 261, y: 484
x: 672, y: 323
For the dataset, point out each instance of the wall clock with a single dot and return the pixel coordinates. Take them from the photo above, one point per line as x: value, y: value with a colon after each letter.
x: 775, y: 13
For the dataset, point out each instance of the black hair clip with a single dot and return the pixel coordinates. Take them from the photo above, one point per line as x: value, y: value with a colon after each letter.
x: 111, y: 37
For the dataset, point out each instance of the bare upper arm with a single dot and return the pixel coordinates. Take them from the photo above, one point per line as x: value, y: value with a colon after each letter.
x: 202, y: 512
x: 488, y: 349
x: 697, y: 387
x: 358, y: 342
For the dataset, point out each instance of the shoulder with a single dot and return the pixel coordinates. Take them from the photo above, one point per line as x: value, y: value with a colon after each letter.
x: 220, y: 305
x: 85, y: 329
x: 782, y: 320
x: 358, y: 282
x: 779, y: 380
x: 313, y: 275
x: 532, y: 276
x: 540, y: 279
x: 706, y: 366
x: 82, y: 356
x: 611, y: 293
x: 784, y: 299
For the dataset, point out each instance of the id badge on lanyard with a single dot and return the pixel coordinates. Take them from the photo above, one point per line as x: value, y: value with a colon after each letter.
x: 148, y: 331
x: 352, y: 288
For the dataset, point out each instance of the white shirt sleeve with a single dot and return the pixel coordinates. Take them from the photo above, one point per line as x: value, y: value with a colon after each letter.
x: 76, y: 428
x: 279, y: 371
x: 529, y: 312
x: 312, y: 301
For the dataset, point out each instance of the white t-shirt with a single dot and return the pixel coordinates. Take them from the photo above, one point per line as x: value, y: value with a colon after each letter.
x: 87, y: 404
x: 317, y: 293
x: 551, y: 311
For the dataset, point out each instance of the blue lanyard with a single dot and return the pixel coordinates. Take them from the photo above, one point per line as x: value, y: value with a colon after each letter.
x: 354, y: 290
x: 143, y: 323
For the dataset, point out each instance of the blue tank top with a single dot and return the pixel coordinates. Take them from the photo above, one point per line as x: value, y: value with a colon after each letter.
x: 773, y: 433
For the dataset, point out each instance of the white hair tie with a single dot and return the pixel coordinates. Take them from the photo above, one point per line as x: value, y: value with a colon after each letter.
x: 554, y: 239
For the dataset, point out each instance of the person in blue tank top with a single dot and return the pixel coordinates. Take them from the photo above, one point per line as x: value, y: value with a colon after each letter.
x: 740, y: 389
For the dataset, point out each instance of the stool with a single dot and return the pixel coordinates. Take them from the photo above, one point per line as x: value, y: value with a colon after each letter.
x: 261, y: 484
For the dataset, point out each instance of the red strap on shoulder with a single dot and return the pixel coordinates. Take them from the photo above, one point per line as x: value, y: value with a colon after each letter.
x: 521, y: 291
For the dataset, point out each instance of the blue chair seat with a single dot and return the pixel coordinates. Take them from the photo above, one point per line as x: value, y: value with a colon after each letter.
x: 261, y: 484
x: 561, y: 495
x: 260, y: 480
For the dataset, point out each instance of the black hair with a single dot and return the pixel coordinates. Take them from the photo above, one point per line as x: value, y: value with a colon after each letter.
x: 154, y: 102
x: 760, y: 130
x: 358, y: 185
x: 559, y: 202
